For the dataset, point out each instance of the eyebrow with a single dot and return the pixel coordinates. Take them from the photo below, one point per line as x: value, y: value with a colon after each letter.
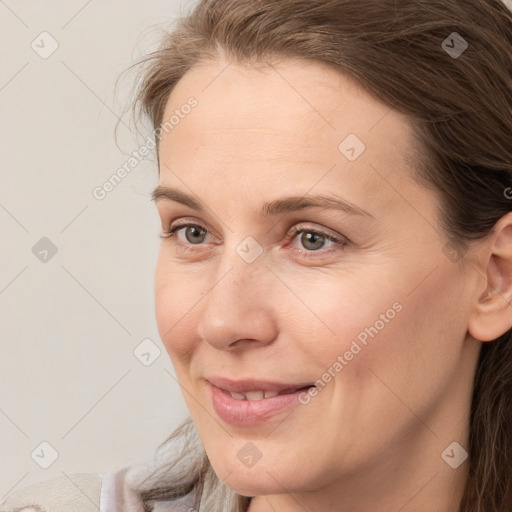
x: 276, y: 207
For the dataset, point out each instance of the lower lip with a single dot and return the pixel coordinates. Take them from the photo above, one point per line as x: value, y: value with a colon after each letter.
x: 250, y: 412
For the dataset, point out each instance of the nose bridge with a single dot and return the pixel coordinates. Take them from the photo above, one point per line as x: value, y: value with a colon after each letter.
x: 237, y: 306
x: 241, y: 270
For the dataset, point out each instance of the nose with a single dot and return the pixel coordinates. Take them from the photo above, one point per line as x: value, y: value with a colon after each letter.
x: 238, y: 312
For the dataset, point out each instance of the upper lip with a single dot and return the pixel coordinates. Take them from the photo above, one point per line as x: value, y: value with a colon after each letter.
x: 245, y: 385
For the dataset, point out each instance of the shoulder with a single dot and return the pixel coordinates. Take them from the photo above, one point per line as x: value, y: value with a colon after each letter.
x: 81, y: 490
x: 88, y: 492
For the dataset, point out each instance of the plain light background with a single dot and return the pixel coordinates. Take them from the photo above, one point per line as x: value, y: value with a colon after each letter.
x: 69, y: 325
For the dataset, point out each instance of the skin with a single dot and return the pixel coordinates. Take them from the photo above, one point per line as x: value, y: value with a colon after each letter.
x: 372, y: 438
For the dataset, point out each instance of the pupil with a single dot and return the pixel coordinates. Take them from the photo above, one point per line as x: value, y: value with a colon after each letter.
x: 195, y: 231
x: 308, y: 238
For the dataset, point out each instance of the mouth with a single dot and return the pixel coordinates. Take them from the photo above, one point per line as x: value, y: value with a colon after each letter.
x: 256, y: 389
x: 250, y: 402
x: 260, y: 395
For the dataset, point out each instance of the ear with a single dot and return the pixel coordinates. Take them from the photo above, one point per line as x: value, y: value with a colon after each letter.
x: 492, y: 313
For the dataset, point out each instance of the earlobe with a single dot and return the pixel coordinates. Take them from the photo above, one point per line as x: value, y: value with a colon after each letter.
x: 492, y: 313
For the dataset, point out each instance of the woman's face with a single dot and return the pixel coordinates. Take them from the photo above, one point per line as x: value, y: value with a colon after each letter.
x: 311, y: 257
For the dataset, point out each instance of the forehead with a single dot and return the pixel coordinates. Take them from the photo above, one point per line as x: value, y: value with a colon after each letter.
x: 289, y: 120
x: 308, y: 97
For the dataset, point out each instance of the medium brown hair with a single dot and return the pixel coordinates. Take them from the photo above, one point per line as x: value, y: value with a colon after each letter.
x: 460, y: 108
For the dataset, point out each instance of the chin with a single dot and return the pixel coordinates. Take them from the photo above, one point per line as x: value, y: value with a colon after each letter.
x: 264, y: 478
x: 254, y: 484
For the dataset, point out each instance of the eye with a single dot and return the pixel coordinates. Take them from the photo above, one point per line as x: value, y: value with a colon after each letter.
x: 313, y: 240
x: 193, y: 234
x: 186, y: 234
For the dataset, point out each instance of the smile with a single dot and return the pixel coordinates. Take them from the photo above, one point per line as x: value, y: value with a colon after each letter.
x: 246, y: 403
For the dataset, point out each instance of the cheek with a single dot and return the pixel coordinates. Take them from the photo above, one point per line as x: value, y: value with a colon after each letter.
x: 415, y: 355
x: 390, y: 327
x: 175, y: 301
x: 342, y: 318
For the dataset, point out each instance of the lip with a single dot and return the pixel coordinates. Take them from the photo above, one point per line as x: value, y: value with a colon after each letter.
x: 242, y: 386
x: 252, y: 412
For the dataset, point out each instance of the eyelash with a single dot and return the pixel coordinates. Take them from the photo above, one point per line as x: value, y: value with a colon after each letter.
x: 171, y: 234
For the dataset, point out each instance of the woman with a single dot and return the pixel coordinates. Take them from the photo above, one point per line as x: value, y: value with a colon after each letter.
x: 335, y: 274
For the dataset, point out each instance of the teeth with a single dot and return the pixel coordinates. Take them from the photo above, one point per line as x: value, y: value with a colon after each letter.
x: 254, y: 395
